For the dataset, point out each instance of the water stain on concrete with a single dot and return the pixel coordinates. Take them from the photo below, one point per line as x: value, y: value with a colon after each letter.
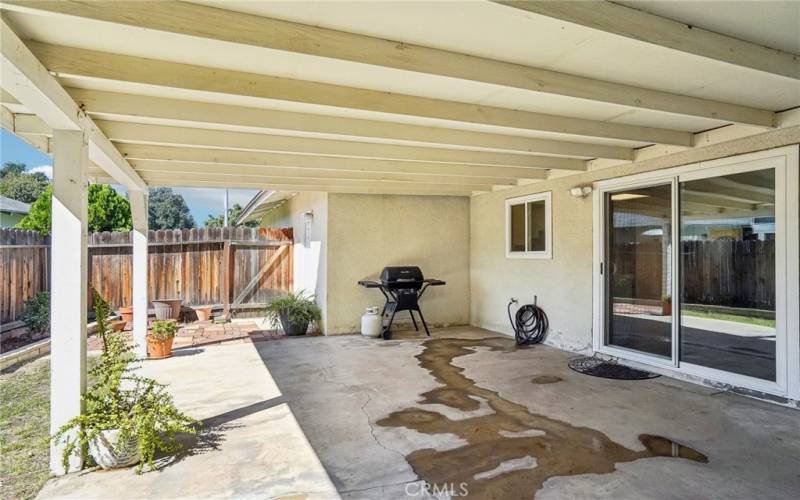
x: 501, y: 447
x: 546, y: 379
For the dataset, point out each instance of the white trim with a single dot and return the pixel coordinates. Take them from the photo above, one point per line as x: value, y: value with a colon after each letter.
x: 787, y: 261
x: 547, y: 253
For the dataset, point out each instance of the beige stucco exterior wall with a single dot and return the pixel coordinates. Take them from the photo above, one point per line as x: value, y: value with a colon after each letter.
x: 310, y: 248
x: 368, y: 232
x: 564, y: 284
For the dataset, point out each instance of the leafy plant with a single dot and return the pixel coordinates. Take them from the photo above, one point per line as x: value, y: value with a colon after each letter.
x: 297, y: 307
x: 163, y: 329
x: 139, y: 407
x: 108, y: 211
x: 36, y: 314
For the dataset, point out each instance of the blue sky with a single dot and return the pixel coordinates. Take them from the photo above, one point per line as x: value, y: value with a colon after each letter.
x: 201, y: 201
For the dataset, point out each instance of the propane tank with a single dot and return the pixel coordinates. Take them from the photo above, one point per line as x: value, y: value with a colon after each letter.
x: 371, y: 323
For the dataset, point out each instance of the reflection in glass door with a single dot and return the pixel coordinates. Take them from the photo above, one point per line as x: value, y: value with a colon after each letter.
x: 639, y: 269
x: 727, y: 303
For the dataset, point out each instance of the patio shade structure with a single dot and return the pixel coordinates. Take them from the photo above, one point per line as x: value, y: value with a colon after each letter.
x: 406, y: 99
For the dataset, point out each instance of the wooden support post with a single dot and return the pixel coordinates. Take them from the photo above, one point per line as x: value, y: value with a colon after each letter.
x: 138, y: 200
x: 69, y: 287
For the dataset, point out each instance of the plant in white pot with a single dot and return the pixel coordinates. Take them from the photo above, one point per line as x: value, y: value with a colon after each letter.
x: 294, y: 311
x: 128, y: 417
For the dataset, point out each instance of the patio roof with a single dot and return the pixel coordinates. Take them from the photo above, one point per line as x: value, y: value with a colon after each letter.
x: 399, y: 98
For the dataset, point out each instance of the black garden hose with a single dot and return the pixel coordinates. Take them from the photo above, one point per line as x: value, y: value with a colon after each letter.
x: 530, y: 323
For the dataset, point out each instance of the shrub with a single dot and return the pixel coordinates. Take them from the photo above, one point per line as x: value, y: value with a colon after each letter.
x: 139, y: 407
x: 163, y: 329
x: 297, y: 307
x: 37, y: 313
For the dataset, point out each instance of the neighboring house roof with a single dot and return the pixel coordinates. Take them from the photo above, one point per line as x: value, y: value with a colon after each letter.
x: 13, y: 206
x: 263, y: 202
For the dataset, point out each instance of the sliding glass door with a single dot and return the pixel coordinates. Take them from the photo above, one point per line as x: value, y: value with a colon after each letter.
x: 727, y: 300
x: 692, y: 266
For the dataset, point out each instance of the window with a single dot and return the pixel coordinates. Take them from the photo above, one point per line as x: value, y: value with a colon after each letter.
x: 528, y: 227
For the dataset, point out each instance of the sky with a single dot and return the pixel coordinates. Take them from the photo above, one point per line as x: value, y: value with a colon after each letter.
x: 201, y: 201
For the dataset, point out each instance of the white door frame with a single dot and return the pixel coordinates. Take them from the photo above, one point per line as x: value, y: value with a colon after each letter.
x: 787, y: 254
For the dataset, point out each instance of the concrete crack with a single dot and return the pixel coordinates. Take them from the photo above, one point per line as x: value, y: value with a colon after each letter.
x: 372, y: 429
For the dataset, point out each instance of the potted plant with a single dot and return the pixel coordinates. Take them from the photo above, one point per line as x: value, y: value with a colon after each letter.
x: 128, y: 418
x: 666, y: 305
x: 294, y: 312
x: 159, y: 339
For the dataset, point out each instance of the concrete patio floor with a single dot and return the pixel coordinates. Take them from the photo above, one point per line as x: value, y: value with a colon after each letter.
x: 323, y: 417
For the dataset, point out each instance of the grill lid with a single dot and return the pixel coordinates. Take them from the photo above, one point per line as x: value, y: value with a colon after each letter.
x: 397, y: 274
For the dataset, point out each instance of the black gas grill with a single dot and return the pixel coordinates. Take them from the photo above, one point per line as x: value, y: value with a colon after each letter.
x: 402, y: 286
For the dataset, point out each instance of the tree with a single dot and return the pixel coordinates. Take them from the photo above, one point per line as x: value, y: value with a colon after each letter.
x: 108, y: 211
x: 17, y: 184
x: 233, y: 213
x: 168, y: 210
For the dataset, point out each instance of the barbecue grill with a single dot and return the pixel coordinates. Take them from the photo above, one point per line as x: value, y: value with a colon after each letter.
x: 402, y: 286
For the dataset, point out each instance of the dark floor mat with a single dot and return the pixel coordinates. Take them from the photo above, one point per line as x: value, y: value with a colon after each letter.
x: 597, y: 367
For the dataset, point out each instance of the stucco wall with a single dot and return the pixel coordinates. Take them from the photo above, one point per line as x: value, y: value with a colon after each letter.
x: 368, y: 232
x: 310, y: 263
x: 563, y: 284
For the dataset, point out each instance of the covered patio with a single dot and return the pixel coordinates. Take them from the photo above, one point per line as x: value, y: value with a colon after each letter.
x: 353, y: 418
x: 630, y: 167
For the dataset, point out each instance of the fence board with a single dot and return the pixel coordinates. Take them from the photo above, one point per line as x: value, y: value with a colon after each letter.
x: 186, y: 264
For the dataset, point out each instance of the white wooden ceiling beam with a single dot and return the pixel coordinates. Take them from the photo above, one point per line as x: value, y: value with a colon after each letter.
x: 656, y: 30
x: 289, y: 175
x: 232, y: 181
x: 246, y: 29
x: 211, y: 115
x: 82, y: 63
x: 29, y: 82
x: 183, y: 136
x: 228, y: 158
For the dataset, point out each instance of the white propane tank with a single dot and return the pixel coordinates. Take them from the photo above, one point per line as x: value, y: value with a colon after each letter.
x: 371, y: 323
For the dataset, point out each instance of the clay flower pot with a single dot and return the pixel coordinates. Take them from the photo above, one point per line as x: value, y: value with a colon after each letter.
x: 203, y: 313
x: 159, y: 348
x: 126, y: 313
x: 119, y: 325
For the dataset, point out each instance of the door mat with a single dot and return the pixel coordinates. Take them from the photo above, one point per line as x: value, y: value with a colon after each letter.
x: 597, y: 367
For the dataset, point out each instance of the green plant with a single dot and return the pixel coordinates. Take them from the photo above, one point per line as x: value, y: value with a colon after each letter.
x: 139, y: 407
x: 296, y: 307
x: 107, y: 210
x: 36, y: 314
x: 163, y: 330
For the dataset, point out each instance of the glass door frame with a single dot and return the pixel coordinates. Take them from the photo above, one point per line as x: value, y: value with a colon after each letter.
x: 787, y: 350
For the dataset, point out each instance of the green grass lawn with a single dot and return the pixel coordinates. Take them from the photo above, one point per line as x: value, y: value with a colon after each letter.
x: 24, y: 429
x: 769, y: 323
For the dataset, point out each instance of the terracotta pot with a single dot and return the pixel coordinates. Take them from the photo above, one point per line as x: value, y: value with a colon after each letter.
x: 126, y: 313
x: 666, y: 308
x: 203, y: 313
x: 118, y: 326
x: 159, y: 349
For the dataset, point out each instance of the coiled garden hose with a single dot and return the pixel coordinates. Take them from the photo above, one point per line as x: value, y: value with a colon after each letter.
x: 530, y: 323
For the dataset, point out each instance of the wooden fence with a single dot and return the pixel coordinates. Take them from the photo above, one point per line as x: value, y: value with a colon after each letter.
x: 731, y: 273
x: 235, y: 268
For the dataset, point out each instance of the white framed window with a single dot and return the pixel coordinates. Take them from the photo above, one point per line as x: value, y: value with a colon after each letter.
x: 529, y: 227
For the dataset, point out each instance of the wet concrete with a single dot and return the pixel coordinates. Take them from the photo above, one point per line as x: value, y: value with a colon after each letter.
x: 340, y: 388
x: 501, y: 459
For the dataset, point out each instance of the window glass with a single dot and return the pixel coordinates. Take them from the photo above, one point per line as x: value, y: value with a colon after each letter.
x: 518, y: 228
x: 537, y: 239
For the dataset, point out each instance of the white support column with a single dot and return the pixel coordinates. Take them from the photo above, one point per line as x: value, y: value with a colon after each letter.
x: 68, y: 286
x: 138, y: 200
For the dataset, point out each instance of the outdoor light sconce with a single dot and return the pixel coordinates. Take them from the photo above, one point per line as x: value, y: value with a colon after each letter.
x: 580, y: 191
x: 308, y: 216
